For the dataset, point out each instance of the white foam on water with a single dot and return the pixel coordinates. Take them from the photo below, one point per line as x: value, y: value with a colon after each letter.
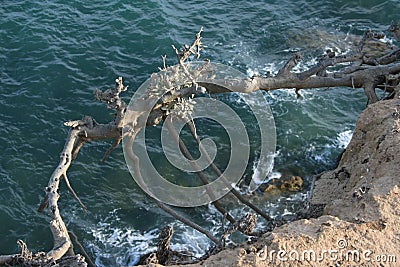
x: 252, y: 72
x: 123, y: 246
x: 275, y: 175
x: 343, y: 139
x: 324, y: 154
x: 190, y: 241
x: 259, y: 172
x: 386, y: 40
x: 305, y: 65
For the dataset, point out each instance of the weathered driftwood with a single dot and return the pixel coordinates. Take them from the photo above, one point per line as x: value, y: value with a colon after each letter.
x: 359, y: 71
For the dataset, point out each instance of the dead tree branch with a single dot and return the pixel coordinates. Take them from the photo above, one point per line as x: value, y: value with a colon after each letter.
x: 287, y: 68
x: 185, y: 220
x: 187, y: 50
x: 27, y: 258
x: 81, y: 132
x: 356, y: 79
x: 164, y: 244
x: 201, y: 175
x: 218, y: 172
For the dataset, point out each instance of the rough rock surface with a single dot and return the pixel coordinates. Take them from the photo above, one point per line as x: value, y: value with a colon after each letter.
x: 356, y: 205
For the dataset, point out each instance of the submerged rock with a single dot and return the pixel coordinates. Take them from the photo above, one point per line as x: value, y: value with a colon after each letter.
x: 277, y: 186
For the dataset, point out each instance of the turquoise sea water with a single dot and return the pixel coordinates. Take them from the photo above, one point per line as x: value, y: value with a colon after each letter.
x: 53, y: 54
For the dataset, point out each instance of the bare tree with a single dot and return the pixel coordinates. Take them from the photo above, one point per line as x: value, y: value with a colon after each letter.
x: 353, y: 70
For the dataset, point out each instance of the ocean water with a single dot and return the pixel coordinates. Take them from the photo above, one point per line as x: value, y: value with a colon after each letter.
x: 53, y: 54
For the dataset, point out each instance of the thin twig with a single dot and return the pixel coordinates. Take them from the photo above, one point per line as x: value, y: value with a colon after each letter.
x: 79, y: 144
x: 44, y: 203
x: 117, y: 141
x: 82, y: 249
x: 73, y: 193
